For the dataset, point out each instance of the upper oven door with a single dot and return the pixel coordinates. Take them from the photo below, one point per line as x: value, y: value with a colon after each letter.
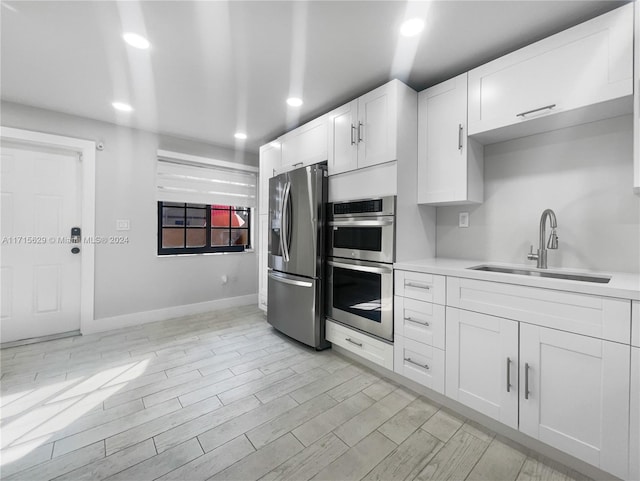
x: 363, y: 238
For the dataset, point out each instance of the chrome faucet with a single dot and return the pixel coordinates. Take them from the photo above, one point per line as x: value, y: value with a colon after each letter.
x: 541, y: 255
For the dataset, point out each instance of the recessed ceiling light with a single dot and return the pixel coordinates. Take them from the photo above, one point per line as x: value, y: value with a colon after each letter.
x: 240, y: 135
x: 294, y: 101
x: 122, y: 107
x: 137, y: 41
x: 411, y: 27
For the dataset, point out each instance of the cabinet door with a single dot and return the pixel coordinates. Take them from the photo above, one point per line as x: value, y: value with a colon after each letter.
x: 343, y: 131
x: 306, y: 145
x: 584, y: 65
x: 446, y: 165
x: 377, y: 125
x: 270, y: 159
x: 263, y: 229
x: 482, y: 364
x: 574, y: 395
x: 634, y: 447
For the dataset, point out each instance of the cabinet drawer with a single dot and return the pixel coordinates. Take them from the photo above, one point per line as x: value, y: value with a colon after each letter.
x: 420, y: 286
x: 419, y: 362
x: 364, y: 346
x: 601, y: 317
x: 419, y: 321
x: 635, y: 323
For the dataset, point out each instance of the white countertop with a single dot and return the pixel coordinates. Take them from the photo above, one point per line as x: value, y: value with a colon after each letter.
x: 622, y: 284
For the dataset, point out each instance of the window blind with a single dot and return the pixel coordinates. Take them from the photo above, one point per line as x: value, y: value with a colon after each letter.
x: 180, y: 180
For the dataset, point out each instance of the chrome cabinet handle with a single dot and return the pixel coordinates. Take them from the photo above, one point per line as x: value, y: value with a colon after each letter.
x: 411, y: 319
x: 353, y: 134
x: 417, y: 285
x: 508, y: 375
x: 411, y: 361
x: 460, y: 137
x: 546, y: 107
x: 360, y: 129
x: 526, y: 380
x: 297, y: 164
x: 348, y: 339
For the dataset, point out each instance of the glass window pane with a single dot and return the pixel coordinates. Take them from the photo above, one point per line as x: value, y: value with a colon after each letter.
x: 172, y: 238
x: 241, y: 218
x: 201, y: 206
x: 196, y: 217
x: 239, y: 237
x: 172, y: 216
x: 219, y: 237
x: 196, y: 237
x: 220, y: 217
x: 173, y: 204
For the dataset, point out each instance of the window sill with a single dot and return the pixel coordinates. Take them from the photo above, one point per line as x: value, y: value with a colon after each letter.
x: 246, y: 251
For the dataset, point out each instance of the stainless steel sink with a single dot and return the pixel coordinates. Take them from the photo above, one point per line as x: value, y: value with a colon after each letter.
x: 539, y: 273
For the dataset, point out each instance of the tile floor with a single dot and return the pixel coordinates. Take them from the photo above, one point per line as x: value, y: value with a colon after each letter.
x: 223, y: 396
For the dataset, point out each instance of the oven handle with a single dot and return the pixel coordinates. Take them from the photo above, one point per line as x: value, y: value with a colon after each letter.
x: 357, y: 267
x: 361, y: 223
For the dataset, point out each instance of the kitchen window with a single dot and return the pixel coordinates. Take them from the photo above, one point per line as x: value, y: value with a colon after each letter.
x: 185, y: 228
x: 204, y: 205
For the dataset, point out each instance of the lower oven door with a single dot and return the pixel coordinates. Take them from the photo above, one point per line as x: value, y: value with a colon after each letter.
x: 360, y: 294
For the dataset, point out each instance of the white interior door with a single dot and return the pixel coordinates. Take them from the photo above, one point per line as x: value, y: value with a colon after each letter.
x: 40, y: 275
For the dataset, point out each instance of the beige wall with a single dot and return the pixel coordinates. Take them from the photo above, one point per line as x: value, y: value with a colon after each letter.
x: 583, y: 173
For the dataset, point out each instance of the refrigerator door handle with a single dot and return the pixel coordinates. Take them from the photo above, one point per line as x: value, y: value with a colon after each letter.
x: 292, y: 282
x: 285, y: 222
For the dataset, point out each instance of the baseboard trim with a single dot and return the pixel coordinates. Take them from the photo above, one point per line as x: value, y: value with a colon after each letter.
x: 144, y: 317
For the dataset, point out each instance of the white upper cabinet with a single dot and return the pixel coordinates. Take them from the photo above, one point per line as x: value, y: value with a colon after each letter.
x: 270, y: 160
x: 579, y: 75
x: 450, y: 165
x: 364, y: 132
x: 308, y: 144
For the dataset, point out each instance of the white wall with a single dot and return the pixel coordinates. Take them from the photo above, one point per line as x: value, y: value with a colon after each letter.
x: 132, y: 278
x: 583, y: 173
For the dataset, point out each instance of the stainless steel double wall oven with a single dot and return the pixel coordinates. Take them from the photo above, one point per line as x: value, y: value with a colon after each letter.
x: 360, y: 264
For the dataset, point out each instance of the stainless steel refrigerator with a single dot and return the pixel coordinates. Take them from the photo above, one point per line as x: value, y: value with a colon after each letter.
x: 296, y: 253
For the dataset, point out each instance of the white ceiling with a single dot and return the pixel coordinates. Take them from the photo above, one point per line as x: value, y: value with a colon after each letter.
x: 217, y: 67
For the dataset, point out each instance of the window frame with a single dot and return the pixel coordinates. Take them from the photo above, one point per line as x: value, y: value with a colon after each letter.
x: 207, y: 248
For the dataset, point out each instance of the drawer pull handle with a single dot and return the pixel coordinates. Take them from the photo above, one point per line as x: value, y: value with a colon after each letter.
x: 546, y: 107
x: 526, y: 381
x: 417, y: 285
x: 423, y: 366
x: 508, y: 374
x: 411, y: 319
x: 348, y: 339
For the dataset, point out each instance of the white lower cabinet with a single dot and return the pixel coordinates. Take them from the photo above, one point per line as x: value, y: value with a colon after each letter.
x: 634, y: 438
x: 419, y: 362
x: 263, y: 271
x: 482, y: 364
x: 367, y: 347
x: 574, y: 395
x: 567, y: 390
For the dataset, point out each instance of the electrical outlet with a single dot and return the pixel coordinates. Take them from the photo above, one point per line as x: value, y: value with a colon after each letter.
x: 123, y: 224
x: 463, y: 219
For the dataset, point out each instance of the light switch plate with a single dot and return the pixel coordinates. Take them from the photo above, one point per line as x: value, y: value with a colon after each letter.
x: 463, y: 219
x: 123, y: 224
